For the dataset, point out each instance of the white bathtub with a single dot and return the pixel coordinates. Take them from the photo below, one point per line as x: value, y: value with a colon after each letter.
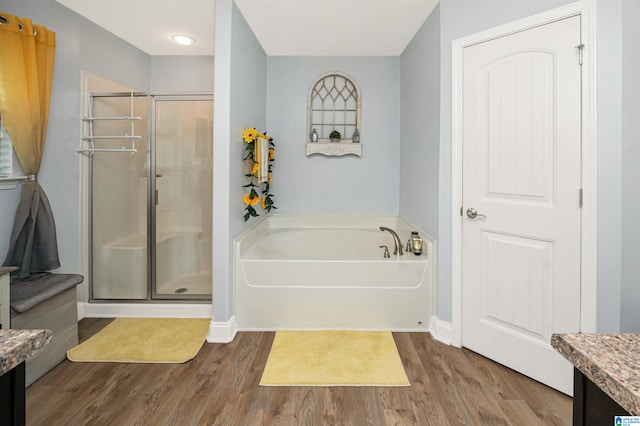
x: 328, y: 272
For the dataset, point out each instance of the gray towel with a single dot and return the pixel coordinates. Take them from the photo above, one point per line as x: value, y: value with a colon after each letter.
x: 33, y: 246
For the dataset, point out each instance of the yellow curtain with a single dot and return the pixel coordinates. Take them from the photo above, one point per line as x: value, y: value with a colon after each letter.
x: 26, y: 75
x: 27, y: 53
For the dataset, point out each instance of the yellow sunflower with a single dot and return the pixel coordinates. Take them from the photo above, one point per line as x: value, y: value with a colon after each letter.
x: 269, y: 178
x: 251, y: 201
x: 272, y: 153
x: 249, y: 134
x: 264, y: 202
x: 254, y: 170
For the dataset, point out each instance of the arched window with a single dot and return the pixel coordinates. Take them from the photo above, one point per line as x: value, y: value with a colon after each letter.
x: 334, y: 104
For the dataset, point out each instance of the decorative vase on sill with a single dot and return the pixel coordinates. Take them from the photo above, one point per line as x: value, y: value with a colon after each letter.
x: 335, y: 136
x: 356, y: 136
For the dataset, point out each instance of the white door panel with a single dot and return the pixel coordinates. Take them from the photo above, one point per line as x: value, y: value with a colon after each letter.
x: 521, y: 170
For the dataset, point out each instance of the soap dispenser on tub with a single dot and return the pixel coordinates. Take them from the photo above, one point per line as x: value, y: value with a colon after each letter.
x: 416, y: 243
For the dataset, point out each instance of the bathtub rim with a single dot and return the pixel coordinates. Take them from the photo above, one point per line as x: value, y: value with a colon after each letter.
x: 326, y: 220
x: 373, y: 253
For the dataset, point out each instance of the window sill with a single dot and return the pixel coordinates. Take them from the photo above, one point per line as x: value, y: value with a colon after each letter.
x: 11, y: 182
x: 334, y: 149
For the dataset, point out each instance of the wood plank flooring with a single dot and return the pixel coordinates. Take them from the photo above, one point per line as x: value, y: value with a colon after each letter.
x: 450, y: 386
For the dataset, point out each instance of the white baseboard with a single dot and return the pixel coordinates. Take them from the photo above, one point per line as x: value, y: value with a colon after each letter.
x: 222, y: 332
x: 144, y: 310
x: 441, y: 330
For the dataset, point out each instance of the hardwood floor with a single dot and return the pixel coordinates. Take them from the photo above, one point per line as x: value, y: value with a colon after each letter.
x: 449, y: 386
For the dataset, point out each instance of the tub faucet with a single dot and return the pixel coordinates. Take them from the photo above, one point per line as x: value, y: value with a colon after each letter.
x: 398, y: 245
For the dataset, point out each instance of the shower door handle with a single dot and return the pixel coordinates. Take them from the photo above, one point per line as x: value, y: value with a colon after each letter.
x: 157, y: 196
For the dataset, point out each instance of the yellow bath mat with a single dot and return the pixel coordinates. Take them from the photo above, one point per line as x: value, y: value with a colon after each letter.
x: 144, y: 340
x: 334, y: 358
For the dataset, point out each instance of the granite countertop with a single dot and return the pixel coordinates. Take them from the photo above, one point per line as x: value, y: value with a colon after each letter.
x: 18, y: 345
x: 610, y: 361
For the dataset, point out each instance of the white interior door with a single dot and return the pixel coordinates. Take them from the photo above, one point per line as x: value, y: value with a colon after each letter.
x: 521, y: 176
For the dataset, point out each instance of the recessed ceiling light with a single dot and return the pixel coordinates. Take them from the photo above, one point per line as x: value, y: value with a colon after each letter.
x: 182, y: 39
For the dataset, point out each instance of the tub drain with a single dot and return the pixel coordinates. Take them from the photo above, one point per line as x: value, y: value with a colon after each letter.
x: 181, y: 290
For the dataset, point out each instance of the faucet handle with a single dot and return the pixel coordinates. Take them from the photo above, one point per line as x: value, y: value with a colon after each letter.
x: 386, y: 251
x: 409, y: 247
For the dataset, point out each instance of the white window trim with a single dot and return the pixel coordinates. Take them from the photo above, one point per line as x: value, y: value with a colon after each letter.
x: 16, y: 173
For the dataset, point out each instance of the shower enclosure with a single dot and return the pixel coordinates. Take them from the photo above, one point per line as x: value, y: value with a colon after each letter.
x: 151, y: 172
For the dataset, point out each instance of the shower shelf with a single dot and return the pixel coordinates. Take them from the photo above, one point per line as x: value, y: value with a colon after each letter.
x: 90, y: 151
x: 127, y: 137
x: 125, y: 118
x: 91, y: 138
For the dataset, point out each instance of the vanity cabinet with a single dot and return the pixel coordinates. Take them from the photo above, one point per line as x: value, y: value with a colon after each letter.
x: 15, y: 347
x: 606, y: 384
x: 591, y: 406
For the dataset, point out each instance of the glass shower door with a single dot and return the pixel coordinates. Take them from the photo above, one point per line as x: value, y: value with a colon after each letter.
x: 182, y: 188
x: 118, y: 203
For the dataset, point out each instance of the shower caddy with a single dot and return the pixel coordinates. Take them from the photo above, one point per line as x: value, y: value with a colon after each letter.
x: 90, y: 138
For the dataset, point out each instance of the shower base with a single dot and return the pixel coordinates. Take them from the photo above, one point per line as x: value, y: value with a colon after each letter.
x: 145, y: 310
x: 193, y: 284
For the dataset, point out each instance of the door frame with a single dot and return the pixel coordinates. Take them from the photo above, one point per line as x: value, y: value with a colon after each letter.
x: 586, y: 9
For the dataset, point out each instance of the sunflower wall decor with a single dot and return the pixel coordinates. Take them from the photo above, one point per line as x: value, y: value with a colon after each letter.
x: 258, y: 160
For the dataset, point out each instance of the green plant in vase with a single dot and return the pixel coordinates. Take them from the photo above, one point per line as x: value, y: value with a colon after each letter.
x: 335, y: 136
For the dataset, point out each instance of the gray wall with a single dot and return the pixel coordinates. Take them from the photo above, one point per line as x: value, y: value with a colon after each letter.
x: 630, y: 314
x: 420, y: 126
x: 80, y: 45
x: 610, y: 229
x: 367, y: 184
x: 240, y: 102
x: 181, y: 74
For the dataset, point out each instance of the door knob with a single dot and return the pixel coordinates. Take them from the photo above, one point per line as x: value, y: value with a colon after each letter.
x: 472, y: 213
